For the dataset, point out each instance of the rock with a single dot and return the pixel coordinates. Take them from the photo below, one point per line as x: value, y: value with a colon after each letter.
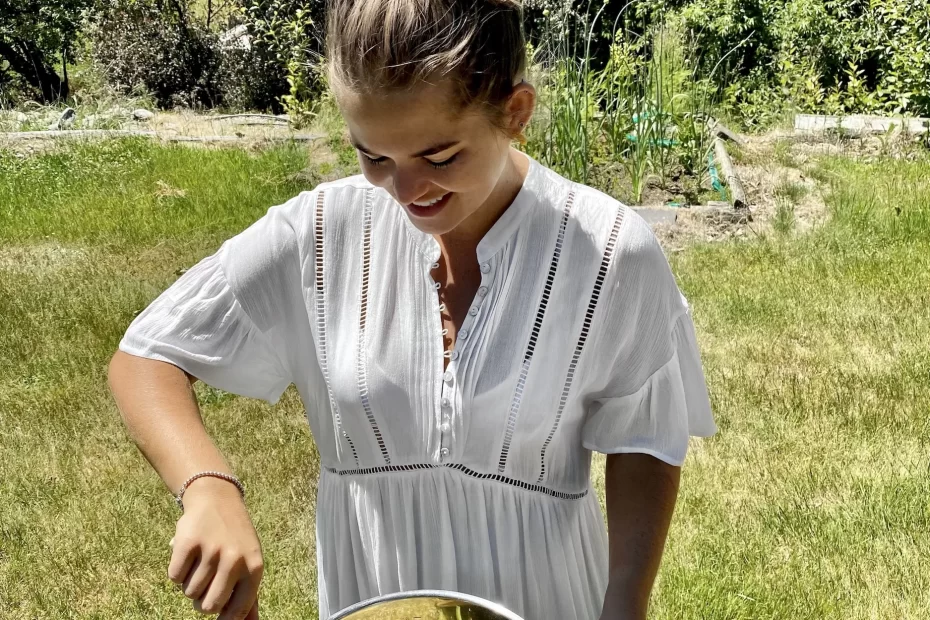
x: 657, y: 215
x: 236, y: 38
x: 19, y: 117
x: 65, y: 121
x: 67, y: 118
x: 143, y: 115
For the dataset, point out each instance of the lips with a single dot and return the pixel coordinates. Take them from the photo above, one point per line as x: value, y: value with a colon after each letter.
x: 430, y: 209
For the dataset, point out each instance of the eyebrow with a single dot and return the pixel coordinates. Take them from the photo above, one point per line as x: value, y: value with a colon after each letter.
x: 438, y: 148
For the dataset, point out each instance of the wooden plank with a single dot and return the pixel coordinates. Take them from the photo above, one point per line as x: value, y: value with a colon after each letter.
x: 120, y: 133
x: 657, y: 215
x: 860, y: 123
x: 74, y: 133
x: 264, y: 117
x: 737, y: 193
x: 717, y: 128
x: 297, y: 137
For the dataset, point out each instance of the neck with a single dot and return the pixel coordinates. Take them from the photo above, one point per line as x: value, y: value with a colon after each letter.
x: 463, y: 239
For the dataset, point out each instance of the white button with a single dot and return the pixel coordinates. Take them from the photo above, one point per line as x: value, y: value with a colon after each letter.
x: 444, y: 452
x: 455, y: 355
x: 437, y: 285
x: 447, y: 376
x: 434, y: 266
x: 463, y: 334
x: 446, y: 402
x: 485, y: 267
x: 482, y: 291
x: 473, y: 311
x: 445, y: 427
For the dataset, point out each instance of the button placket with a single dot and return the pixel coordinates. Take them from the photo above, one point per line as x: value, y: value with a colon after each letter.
x: 448, y: 377
x: 446, y: 411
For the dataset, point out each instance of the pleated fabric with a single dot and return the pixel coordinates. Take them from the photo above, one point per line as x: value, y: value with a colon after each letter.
x: 473, y: 478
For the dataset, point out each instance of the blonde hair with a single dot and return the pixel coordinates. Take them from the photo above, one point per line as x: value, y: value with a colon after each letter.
x: 387, y: 45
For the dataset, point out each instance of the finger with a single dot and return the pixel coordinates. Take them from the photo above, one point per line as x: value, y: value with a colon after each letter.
x: 244, y: 602
x: 200, y: 577
x: 221, y: 588
x: 182, y: 559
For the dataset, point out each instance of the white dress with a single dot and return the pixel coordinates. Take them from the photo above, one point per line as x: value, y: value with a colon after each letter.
x: 475, y: 479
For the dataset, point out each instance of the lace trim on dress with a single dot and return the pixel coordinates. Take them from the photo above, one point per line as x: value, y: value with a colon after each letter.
x: 465, y: 470
x: 321, y: 318
x: 361, y: 359
x: 534, y: 335
x: 583, y: 337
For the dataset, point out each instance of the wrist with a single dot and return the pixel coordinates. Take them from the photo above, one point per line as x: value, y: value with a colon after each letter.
x: 210, y: 489
x: 624, y: 601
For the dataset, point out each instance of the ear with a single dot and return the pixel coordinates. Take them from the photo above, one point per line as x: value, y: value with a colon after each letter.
x: 520, y: 108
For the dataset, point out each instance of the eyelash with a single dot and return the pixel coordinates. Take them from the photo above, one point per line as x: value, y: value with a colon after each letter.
x: 435, y: 164
x: 443, y: 164
x: 374, y: 162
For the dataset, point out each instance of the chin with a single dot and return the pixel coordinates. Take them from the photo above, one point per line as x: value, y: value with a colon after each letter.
x: 437, y: 223
x: 433, y: 226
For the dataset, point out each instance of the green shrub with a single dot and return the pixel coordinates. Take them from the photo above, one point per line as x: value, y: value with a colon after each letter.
x: 781, y: 56
x: 157, y: 47
x: 288, y: 35
x: 252, y: 79
x: 35, y: 36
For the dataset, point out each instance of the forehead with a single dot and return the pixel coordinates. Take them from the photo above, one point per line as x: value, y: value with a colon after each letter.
x: 398, y: 124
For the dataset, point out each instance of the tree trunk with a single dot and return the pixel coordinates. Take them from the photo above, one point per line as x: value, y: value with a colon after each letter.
x: 27, y: 59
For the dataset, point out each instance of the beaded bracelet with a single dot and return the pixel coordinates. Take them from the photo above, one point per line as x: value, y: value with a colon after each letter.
x: 213, y: 474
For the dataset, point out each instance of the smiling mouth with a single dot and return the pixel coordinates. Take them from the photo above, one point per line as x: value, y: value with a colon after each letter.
x: 430, y: 203
x: 430, y: 207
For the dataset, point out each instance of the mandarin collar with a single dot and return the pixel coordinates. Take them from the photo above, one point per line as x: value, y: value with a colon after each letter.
x: 503, y: 229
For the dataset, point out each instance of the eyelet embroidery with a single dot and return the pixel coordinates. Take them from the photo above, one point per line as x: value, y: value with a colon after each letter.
x: 583, y: 337
x: 361, y: 361
x: 465, y: 470
x: 321, y: 320
x: 534, y: 335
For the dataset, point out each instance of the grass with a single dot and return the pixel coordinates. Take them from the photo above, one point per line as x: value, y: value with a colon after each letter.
x: 812, y: 501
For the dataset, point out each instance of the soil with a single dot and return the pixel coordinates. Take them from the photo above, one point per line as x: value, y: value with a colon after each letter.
x: 775, y: 169
x: 765, y: 175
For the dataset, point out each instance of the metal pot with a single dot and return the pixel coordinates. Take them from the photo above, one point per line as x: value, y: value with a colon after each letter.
x: 426, y: 605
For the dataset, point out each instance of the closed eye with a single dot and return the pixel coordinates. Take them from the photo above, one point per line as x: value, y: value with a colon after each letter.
x: 374, y: 161
x: 444, y: 163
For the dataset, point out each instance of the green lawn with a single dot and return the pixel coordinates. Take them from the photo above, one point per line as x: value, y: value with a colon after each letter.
x: 812, y: 502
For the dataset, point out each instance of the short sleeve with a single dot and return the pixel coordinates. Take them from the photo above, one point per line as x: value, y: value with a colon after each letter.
x: 226, y: 320
x: 655, y: 395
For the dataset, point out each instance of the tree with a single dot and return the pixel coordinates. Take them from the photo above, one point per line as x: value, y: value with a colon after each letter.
x: 37, y: 34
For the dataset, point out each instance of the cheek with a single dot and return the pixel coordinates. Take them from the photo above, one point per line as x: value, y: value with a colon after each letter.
x: 478, y: 174
x: 379, y: 176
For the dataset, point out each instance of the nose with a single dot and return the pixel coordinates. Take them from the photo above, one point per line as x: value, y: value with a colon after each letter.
x: 409, y: 185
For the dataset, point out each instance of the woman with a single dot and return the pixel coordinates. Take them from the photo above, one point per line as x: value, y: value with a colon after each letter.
x: 464, y: 327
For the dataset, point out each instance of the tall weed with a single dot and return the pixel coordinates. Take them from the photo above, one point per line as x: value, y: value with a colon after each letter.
x: 640, y: 119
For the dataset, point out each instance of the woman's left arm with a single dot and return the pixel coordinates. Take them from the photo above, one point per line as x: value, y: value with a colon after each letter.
x: 641, y: 494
